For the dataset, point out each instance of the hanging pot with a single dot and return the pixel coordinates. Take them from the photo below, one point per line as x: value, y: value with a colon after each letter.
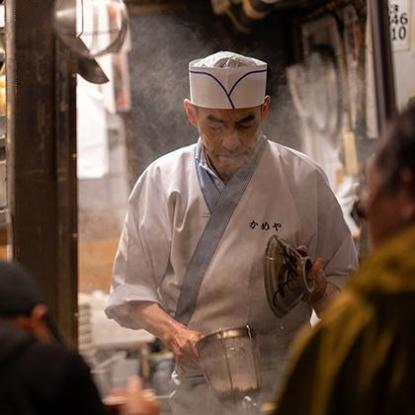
x: 101, y: 25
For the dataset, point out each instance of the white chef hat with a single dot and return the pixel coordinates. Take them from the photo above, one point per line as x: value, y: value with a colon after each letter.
x: 226, y: 80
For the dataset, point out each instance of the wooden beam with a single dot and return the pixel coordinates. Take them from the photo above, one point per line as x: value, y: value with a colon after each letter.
x: 383, y: 62
x: 41, y: 147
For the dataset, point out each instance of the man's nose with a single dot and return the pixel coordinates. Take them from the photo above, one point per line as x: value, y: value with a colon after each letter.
x: 231, y: 141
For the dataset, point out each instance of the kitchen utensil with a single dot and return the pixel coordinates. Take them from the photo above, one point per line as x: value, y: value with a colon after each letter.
x: 285, y: 276
x: 102, y: 25
x: 89, y: 68
x: 229, y: 361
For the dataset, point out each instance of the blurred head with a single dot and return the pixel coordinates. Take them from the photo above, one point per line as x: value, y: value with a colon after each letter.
x: 227, y: 106
x: 21, y: 302
x: 391, y: 179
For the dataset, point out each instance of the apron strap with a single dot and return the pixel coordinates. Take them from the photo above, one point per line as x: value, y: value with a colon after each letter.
x: 212, y: 234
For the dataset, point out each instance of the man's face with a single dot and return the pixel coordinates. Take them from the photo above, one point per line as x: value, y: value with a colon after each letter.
x: 228, y: 136
x: 387, y: 212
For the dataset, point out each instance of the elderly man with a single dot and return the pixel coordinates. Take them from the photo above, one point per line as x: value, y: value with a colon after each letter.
x: 38, y: 375
x: 190, y: 259
x: 360, y: 358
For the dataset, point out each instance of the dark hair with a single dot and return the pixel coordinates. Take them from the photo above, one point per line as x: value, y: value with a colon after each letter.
x: 397, y: 151
x: 19, y: 292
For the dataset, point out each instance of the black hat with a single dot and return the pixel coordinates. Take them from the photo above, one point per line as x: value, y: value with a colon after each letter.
x: 19, y: 293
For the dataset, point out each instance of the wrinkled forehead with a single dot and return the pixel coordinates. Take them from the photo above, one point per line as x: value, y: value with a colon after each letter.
x: 228, y: 115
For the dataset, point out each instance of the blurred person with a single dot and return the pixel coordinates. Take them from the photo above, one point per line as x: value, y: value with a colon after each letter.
x: 191, y: 255
x: 245, y: 13
x: 359, y: 359
x: 38, y: 375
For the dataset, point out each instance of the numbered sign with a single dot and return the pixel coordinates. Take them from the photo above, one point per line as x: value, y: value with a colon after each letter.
x: 400, y: 23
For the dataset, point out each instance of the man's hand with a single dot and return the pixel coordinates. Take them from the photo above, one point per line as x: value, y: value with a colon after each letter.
x: 319, y: 281
x: 178, y: 338
x: 324, y: 291
x: 132, y: 400
x: 139, y: 401
x: 182, y: 342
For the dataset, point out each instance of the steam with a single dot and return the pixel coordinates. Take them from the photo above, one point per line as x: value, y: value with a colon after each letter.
x: 162, y: 47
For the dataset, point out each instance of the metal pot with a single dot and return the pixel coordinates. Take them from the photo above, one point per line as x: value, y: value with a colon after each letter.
x: 229, y: 361
x: 91, y: 28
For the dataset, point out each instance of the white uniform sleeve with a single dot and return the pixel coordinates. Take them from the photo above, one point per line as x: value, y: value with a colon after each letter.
x: 334, y: 240
x: 143, y: 252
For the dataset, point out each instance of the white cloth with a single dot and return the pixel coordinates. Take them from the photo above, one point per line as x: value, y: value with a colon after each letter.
x: 226, y: 80
x: 167, y: 214
x: 92, y: 135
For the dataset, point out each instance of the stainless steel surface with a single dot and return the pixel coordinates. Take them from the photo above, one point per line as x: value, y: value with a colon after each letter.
x: 225, y: 334
x: 102, y: 25
x: 90, y: 70
x: 229, y: 360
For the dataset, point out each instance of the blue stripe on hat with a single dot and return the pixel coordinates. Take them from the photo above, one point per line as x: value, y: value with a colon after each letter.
x: 228, y: 94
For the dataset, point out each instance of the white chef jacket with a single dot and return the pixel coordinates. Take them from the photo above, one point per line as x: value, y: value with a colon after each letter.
x: 288, y: 195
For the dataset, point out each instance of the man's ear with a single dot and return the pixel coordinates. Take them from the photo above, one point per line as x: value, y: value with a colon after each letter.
x: 191, y: 112
x: 406, y: 196
x: 265, y: 107
x: 39, y: 312
x: 38, y: 326
x: 407, y: 207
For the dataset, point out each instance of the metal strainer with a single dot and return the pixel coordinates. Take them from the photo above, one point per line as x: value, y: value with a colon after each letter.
x: 229, y: 361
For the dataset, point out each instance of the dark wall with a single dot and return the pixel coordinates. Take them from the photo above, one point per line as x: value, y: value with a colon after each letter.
x: 162, y: 46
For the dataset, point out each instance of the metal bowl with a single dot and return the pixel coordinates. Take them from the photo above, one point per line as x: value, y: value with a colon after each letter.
x: 229, y: 361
